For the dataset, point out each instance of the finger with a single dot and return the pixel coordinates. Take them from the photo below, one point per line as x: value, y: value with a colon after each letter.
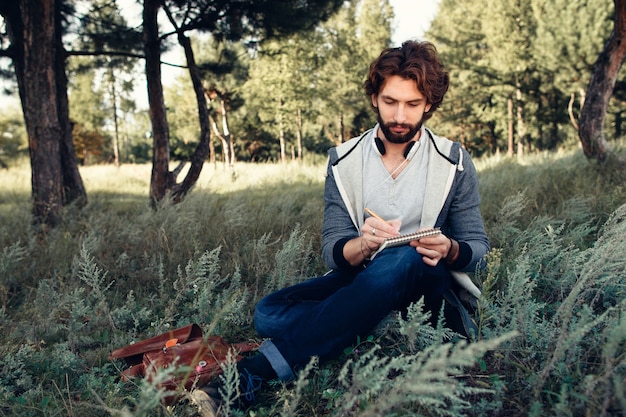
x: 434, y: 240
x: 395, y: 224
x: 372, y: 242
x: 431, y: 257
x: 375, y: 227
x: 429, y: 261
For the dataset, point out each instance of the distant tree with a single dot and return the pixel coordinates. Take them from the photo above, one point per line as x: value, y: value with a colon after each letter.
x: 114, y: 51
x: 88, y: 114
x: 560, y: 25
x: 223, y: 67
x: 35, y: 29
x: 13, y: 138
x: 273, y: 86
x: 515, y: 66
x: 600, y: 89
x: 475, y: 109
x: 352, y: 40
x: 183, y: 109
x: 224, y: 19
x: 105, y: 45
x: 89, y: 144
x: 313, y: 81
x: 509, y: 26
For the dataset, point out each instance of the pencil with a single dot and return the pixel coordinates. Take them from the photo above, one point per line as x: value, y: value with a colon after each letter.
x: 374, y: 215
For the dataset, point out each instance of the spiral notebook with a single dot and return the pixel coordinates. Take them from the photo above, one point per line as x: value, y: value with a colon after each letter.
x: 461, y: 277
x: 404, y: 239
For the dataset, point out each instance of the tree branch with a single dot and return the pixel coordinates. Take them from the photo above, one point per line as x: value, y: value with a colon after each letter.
x: 117, y: 53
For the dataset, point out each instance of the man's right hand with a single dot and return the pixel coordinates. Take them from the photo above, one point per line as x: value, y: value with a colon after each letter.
x: 373, y: 234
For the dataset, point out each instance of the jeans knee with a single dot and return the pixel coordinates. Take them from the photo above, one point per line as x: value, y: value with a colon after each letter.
x: 272, y: 316
x: 261, y: 319
x: 401, y: 264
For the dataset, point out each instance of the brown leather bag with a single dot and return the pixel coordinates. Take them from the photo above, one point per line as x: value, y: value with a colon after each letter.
x: 197, y: 358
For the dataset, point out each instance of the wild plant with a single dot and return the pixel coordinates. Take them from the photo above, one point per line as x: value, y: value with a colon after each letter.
x: 289, y: 402
x: 429, y: 382
x: 230, y: 388
x: 564, y: 302
x: 10, y: 257
x: 96, y: 279
x: 415, y: 331
x: 291, y: 262
x: 551, y: 318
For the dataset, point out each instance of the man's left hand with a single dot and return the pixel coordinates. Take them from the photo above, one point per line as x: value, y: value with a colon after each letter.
x: 433, y: 248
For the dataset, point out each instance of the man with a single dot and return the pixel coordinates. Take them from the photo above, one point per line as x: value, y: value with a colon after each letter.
x: 408, y: 179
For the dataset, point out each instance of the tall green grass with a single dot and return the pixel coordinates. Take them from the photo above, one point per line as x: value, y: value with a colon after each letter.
x: 553, y: 328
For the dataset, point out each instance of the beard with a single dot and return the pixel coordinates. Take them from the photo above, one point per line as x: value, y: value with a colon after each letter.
x: 395, y: 137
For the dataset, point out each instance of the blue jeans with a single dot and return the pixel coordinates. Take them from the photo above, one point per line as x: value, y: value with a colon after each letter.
x: 322, y: 316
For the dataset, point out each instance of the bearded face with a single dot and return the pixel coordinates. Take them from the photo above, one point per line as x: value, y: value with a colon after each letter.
x: 398, y: 132
x: 401, y: 108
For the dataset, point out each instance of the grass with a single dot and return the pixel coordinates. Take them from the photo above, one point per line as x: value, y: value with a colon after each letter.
x: 552, y: 318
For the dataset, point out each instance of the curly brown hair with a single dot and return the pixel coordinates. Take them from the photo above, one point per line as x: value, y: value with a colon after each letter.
x: 416, y: 61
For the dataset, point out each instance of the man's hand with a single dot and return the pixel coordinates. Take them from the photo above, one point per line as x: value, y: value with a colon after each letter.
x: 435, y: 248
x: 375, y: 231
x: 373, y: 234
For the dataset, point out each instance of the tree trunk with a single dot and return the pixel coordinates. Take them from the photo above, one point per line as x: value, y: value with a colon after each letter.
x: 116, y: 134
x: 281, y: 139
x: 201, y: 152
x: 493, y: 143
x: 225, y: 148
x: 570, y: 110
x: 511, y: 140
x: 227, y: 138
x: 39, y: 103
x: 521, y: 127
x: 160, y: 180
x: 600, y: 89
x: 281, y: 134
x: 163, y: 181
x: 228, y: 149
x: 299, y: 132
x: 212, y: 152
x: 34, y: 29
x: 73, y: 187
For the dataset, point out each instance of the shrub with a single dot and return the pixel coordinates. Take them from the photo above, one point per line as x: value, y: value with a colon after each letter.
x: 551, y: 318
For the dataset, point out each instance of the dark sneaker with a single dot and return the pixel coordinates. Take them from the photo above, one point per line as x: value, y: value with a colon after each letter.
x: 250, y: 385
x: 208, y: 400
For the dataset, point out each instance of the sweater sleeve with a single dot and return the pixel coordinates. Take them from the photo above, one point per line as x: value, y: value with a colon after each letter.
x: 461, y: 219
x: 337, y: 227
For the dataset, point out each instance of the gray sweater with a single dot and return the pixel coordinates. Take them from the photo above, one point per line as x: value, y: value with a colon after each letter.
x: 451, y: 200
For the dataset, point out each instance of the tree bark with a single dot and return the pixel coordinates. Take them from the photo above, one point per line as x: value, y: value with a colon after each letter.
x: 521, y: 126
x: 281, y: 133
x: 38, y: 56
x: 228, y: 147
x: 202, y: 149
x: 341, y: 137
x: 299, y: 132
x: 600, y: 89
x: 225, y: 147
x: 229, y: 139
x: 73, y: 188
x: 511, y: 140
x: 116, y: 127
x: 161, y: 178
x: 163, y: 181
x: 570, y: 110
